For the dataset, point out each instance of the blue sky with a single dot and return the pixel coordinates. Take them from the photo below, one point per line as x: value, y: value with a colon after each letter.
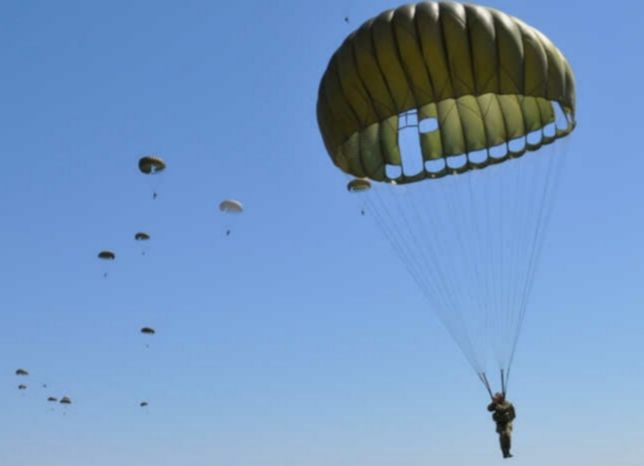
x: 273, y: 345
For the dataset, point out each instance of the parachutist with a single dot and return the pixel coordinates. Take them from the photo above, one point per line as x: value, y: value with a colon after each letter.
x: 154, y: 196
x: 362, y: 212
x: 227, y: 232
x: 346, y: 19
x: 503, y: 416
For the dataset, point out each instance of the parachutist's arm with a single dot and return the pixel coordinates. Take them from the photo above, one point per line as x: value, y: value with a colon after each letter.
x: 491, y: 406
x: 512, y: 413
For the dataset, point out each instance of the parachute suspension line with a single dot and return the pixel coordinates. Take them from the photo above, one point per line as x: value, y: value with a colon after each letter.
x: 428, y: 214
x: 434, y: 286
x: 519, y: 212
x: 480, y: 277
x: 551, y: 184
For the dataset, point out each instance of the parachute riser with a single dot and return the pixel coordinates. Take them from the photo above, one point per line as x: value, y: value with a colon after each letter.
x: 486, y: 383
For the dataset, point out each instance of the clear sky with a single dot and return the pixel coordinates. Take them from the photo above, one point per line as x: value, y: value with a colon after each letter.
x: 277, y: 345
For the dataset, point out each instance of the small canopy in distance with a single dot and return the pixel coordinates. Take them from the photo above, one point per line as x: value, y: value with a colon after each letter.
x: 106, y: 255
x: 52, y: 399
x: 231, y: 206
x: 151, y: 165
x: 22, y: 372
x: 358, y: 185
x: 142, y: 236
x: 143, y: 404
x: 22, y: 387
x: 65, y: 400
x: 148, y: 331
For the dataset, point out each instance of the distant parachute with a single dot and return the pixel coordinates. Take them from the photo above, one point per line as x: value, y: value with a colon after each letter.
x: 358, y: 185
x: 65, y: 400
x: 22, y: 372
x: 22, y: 387
x: 148, y: 330
x: 52, y: 399
x: 231, y: 206
x: 106, y: 255
x: 141, y: 236
x: 152, y: 165
x: 143, y: 404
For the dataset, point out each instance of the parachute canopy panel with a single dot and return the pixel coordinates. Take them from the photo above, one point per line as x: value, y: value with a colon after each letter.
x: 476, y: 78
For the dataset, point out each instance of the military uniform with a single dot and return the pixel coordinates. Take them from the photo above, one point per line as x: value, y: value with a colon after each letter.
x: 503, y: 416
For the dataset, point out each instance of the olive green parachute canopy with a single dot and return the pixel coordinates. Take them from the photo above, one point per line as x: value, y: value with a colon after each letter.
x: 231, y: 206
x: 148, y: 330
x: 358, y: 185
x: 22, y: 372
x: 52, y: 399
x: 142, y: 236
x: 22, y: 387
x: 106, y: 255
x: 65, y: 400
x: 476, y: 79
x: 151, y: 165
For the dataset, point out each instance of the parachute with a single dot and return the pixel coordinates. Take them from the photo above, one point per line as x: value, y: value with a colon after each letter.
x: 106, y: 255
x: 231, y: 206
x: 152, y: 165
x: 143, y: 404
x: 148, y: 330
x: 22, y: 387
x: 358, y: 185
x: 22, y: 372
x: 52, y: 399
x: 142, y: 238
x: 437, y: 105
x: 65, y: 400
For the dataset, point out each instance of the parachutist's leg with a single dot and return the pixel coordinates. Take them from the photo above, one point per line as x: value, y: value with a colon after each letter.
x: 504, y: 438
